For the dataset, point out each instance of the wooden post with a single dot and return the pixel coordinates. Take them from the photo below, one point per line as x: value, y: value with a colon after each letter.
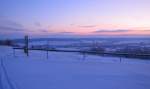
x: 84, y: 55
x: 47, y: 48
x: 14, y: 52
x: 26, y: 45
x: 120, y: 59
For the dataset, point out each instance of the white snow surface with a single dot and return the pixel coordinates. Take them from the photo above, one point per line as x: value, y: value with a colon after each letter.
x: 71, y: 71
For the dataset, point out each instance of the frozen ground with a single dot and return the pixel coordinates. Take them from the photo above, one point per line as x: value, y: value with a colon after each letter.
x: 71, y: 71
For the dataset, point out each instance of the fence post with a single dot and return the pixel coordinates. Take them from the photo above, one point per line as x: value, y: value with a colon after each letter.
x: 84, y: 55
x: 26, y: 51
x: 14, y: 52
x: 120, y: 59
x: 47, y: 48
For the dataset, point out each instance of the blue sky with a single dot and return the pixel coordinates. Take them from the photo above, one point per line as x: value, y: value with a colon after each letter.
x: 74, y: 17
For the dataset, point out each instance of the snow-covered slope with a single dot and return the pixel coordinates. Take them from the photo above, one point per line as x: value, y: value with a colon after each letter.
x: 72, y: 71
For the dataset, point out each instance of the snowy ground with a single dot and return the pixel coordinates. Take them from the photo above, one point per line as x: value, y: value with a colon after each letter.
x: 71, y: 71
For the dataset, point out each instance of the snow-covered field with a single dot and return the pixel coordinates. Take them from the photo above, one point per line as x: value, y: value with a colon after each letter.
x: 70, y: 71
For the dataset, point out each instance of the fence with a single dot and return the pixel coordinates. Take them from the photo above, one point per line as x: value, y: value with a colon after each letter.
x: 84, y: 52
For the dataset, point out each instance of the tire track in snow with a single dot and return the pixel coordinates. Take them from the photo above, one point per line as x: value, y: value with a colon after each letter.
x: 4, y: 71
x: 1, y: 85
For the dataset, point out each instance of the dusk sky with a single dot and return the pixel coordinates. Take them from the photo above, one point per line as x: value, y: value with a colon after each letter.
x: 71, y: 18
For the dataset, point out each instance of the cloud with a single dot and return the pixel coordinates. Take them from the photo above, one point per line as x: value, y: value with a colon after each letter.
x: 43, y: 30
x: 122, y: 32
x: 72, y: 24
x: 146, y: 30
x: 2, y: 28
x: 37, y: 24
x: 111, y: 31
x: 67, y: 32
x: 88, y: 26
x: 9, y: 23
x: 10, y: 26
